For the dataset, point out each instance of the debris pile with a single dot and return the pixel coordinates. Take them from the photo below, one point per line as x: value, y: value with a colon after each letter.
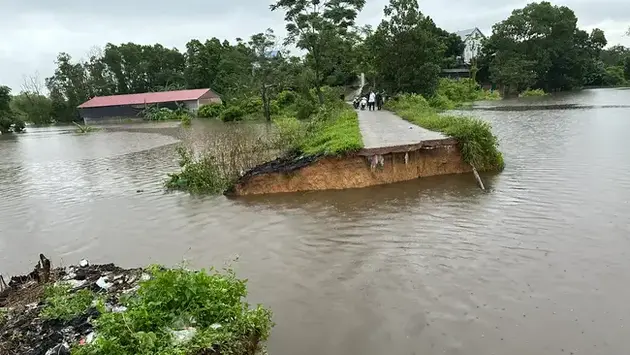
x: 23, y: 329
x: 103, y: 309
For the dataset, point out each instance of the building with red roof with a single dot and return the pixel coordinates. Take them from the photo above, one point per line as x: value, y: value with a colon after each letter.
x: 117, y: 107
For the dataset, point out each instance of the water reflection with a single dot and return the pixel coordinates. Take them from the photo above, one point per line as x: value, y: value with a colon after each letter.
x: 433, y: 266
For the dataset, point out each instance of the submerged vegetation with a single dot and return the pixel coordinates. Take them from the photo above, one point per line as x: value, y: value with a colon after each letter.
x: 478, y: 144
x: 533, y: 93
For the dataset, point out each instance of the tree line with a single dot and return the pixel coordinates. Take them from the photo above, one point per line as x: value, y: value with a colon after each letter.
x: 538, y: 46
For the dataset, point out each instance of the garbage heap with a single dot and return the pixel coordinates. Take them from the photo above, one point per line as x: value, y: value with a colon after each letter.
x: 104, y: 309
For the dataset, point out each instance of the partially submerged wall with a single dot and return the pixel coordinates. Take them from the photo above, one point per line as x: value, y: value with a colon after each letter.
x: 368, y: 167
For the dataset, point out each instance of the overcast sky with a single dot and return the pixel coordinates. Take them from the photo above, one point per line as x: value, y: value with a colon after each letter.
x: 34, y: 31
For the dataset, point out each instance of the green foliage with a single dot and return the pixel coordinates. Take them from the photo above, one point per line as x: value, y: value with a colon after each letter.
x: 157, y: 113
x: 286, y: 98
x: 321, y: 29
x: 441, y: 102
x: 332, y: 130
x: 407, y: 33
x: 8, y: 120
x: 532, y: 93
x: 198, y: 175
x: 334, y: 133
x: 478, y: 145
x: 175, y: 299
x: 614, y: 76
x: 232, y: 113
x: 305, y: 108
x: 84, y: 128
x: 63, y: 305
x: 210, y: 111
x: 32, y: 107
x: 541, y: 46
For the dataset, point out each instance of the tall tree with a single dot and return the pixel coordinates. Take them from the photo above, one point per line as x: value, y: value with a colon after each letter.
x: 8, y: 121
x: 408, y: 49
x: 266, y: 66
x: 315, y: 26
x: 69, y: 87
x: 547, y: 35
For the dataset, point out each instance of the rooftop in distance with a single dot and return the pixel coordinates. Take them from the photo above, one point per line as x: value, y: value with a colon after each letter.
x: 149, y: 98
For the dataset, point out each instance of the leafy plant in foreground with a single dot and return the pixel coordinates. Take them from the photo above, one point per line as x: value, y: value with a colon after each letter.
x: 173, y: 300
x: 63, y: 305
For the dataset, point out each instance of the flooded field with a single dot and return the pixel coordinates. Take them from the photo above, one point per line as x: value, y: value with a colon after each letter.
x: 540, y: 265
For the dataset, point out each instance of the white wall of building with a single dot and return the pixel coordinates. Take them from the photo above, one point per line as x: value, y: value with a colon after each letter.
x: 473, y: 45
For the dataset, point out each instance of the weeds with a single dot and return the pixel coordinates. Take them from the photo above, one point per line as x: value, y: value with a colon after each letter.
x: 478, y: 145
x: 533, y: 93
x: 198, y: 174
x: 84, y: 128
x: 207, y: 307
x: 63, y: 305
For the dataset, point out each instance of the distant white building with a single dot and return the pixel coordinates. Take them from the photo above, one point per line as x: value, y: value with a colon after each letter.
x: 472, y: 39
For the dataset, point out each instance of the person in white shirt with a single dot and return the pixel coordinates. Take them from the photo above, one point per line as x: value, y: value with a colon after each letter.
x: 372, y: 101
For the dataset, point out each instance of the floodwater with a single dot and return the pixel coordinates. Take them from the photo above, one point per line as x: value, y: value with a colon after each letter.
x: 539, y: 265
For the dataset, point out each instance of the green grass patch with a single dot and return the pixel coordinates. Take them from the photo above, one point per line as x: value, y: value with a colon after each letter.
x: 63, y: 305
x: 333, y: 130
x: 533, y: 93
x: 478, y: 145
x: 182, y: 312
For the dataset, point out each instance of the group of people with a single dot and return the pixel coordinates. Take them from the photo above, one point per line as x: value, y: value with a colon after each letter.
x: 372, y: 100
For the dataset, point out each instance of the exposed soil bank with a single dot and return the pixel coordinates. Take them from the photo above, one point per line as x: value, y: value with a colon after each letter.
x: 367, y: 167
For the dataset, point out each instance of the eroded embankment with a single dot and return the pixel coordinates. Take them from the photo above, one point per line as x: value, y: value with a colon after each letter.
x: 368, y: 167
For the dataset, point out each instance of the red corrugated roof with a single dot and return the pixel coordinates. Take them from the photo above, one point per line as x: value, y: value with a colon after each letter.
x: 145, y: 98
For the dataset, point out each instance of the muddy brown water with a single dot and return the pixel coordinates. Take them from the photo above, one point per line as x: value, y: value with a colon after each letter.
x: 540, y: 265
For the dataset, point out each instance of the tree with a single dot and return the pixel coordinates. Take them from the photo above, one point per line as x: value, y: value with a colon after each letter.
x: 408, y: 49
x: 8, y: 121
x: 547, y: 35
x: 266, y: 66
x: 69, y: 87
x: 316, y: 26
x: 31, y: 105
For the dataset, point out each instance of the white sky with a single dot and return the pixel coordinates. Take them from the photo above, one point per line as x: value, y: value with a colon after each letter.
x: 35, y: 31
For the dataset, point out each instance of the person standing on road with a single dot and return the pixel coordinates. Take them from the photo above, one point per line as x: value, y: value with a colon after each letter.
x: 371, y: 101
x: 379, y: 100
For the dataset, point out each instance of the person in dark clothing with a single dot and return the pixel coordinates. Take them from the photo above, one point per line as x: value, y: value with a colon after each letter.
x: 379, y: 100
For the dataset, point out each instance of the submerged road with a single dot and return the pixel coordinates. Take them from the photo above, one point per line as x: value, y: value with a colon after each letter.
x: 384, y: 129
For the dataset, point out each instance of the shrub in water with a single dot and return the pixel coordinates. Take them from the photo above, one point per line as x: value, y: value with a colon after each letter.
x: 199, y: 175
x: 251, y: 105
x: 533, y: 93
x: 210, y: 111
x: 232, y: 113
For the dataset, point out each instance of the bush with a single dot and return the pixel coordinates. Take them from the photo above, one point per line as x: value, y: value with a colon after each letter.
x: 464, y: 90
x: 290, y: 132
x: 199, y: 175
x: 478, y: 145
x: 532, y: 93
x: 232, y: 113
x: 441, y: 102
x: 210, y: 110
x: 207, y: 305
x: 305, y: 108
x: 251, y: 105
x: 286, y: 98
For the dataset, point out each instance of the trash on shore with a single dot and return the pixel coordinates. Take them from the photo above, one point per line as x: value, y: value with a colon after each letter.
x: 103, y: 309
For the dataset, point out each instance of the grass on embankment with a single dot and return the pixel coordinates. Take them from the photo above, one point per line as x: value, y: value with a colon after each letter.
x: 332, y: 130
x: 479, y: 146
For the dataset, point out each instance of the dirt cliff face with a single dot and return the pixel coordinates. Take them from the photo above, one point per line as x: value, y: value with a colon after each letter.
x: 353, y: 171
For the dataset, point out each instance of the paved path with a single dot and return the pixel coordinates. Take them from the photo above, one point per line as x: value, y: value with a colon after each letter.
x: 384, y: 129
